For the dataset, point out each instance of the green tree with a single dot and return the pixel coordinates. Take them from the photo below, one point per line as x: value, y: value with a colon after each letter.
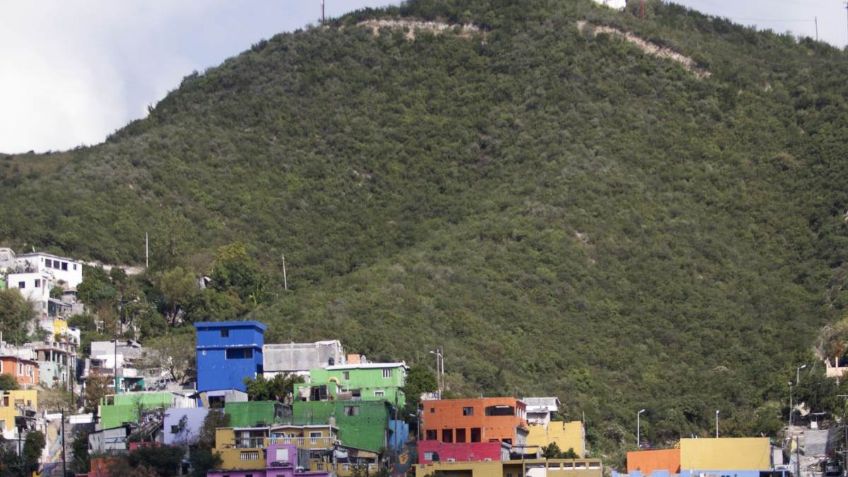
x: 420, y: 379
x: 179, y: 289
x: 236, y: 270
x: 8, y: 382
x: 278, y: 388
x: 34, y: 443
x: 16, y: 316
x: 81, y: 462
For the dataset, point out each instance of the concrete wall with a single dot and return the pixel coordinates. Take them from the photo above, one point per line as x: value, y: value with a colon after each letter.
x: 739, y: 453
x: 435, y: 451
x: 451, y: 417
x: 566, y: 435
x: 369, y: 379
x: 299, y: 358
x: 361, y: 424
x: 191, y: 432
x: 62, y: 269
x: 649, y: 461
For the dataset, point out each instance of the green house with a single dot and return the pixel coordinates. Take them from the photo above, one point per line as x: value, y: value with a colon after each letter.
x: 362, y: 424
x: 366, y: 382
x: 117, y: 409
x: 253, y: 413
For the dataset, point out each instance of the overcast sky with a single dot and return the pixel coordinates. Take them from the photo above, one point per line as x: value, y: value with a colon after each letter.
x: 71, y: 72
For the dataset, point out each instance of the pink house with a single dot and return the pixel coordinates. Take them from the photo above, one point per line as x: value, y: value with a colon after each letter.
x: 281, y: 461
x: 435, y: 451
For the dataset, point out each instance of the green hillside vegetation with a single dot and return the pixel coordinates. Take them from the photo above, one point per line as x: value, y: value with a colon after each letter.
x: 563, y: 213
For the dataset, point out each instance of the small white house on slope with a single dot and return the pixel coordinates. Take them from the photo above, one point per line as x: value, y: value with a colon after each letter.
x: 616, y: 4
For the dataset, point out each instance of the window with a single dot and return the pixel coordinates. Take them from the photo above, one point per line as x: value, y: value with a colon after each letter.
x: 501, y: 410
x: 240, y: 353
x: 37, y: 283
x: 75, y: 266
x: 475, y: 434
x: 175, y: 429
x: 387, y: 372
x: 351, y: 410
x: 468, y: 411
x: 447, y: 435
x: 379, y: 393
x: 460, y: 435
x: 225, y: 333
x: 65, y: 266
x: 48, y: 263
x: 428, y: 456
x: 346, y: 375
x: 431, y: 435
x: 314, y: 436
x: 21, y: 285
x: 432, y: 410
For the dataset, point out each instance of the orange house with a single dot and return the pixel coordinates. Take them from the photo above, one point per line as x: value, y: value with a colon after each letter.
x: 25, y: 371
x: 651, y: 460
x: 500, y: 419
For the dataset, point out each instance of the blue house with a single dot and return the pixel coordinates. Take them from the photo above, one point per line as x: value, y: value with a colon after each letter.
x: 227, y: 353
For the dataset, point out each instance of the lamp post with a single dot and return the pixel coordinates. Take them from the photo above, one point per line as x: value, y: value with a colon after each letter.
x: 790, y: 403
x: 440, y: 369
x: 798, y: 373
x: 639, y: 429
x: 717, y: 411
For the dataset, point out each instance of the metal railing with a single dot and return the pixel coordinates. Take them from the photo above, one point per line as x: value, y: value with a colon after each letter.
x: 304, y: 442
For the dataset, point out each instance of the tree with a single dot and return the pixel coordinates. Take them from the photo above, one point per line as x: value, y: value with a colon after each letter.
x: 81, y: 462
x: 164, y: 461
x: 8, y: 382
x: 420, y: 379
x: 34, y: 443
x: 235, y: 270
x: 174, y: 352
x: 97, y: 386
x: 179, y: 289
x: 278, y: 388
x: 16, y: 315
x: 215, y: 418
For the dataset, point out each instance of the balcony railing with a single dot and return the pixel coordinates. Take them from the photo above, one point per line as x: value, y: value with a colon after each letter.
x: 304, y: 442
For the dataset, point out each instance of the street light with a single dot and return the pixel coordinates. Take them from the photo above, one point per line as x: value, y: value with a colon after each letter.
x: 798, y: 373
x: 790, y: 403
x: 717, y: 411
x: 639, y: 429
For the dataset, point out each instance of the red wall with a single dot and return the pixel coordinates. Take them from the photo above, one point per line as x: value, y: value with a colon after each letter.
x: 469, y: 452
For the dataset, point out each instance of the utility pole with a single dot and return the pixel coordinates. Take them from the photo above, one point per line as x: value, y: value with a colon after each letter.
x: 323, y: 18
x: 64, y: 460
x: 146, y: 251
x: 817, y: 28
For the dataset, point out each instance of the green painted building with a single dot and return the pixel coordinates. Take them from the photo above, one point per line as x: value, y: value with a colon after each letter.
x: 366, y: 382
x: 115, y: 410
x: 362, y: 424
x: 254, y: 413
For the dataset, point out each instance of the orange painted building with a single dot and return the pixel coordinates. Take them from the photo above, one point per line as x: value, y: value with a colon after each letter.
x: 501, y: 419
x: 650, y: 460
x: 25, y: 371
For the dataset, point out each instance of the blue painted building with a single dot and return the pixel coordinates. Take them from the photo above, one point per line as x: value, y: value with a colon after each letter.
x: 227, y: 353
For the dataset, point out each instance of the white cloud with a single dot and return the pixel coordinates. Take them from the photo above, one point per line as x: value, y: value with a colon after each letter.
x: 73, y: 72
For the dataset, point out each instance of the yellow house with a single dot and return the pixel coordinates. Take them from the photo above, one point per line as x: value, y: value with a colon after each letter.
x: 12, y: 404
x: 566, y: 435
x: 241, y: 448
x: 312, y: 437
x: 514, y: 468
x: 725, y: 453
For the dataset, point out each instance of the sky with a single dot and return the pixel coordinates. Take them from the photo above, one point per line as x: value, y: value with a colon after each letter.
x: 71, y: 73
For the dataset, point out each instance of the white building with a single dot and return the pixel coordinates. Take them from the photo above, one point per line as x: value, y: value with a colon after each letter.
x: 616, y: 4
x: 299, y: 358
x: 34, y: 286
x: 7, y: 259
x: 66, y: 272
x: 539, y: 409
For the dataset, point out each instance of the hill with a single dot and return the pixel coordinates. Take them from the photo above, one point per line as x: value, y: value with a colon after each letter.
x: 564, y: 211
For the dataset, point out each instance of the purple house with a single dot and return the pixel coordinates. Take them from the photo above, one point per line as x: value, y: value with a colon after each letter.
x: 281, y: 460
